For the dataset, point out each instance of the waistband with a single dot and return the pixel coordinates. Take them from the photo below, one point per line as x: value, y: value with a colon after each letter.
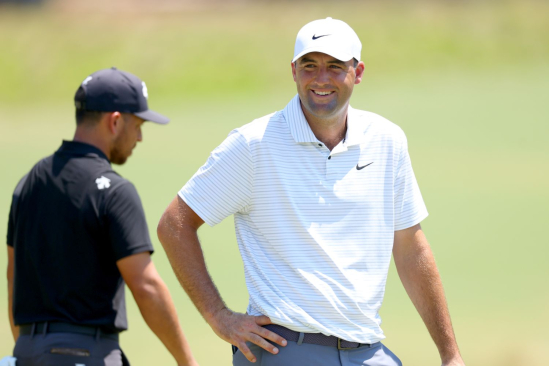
x: 316, y: 338
x: 58, y: 327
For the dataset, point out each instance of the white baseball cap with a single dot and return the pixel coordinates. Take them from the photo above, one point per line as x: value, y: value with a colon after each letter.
x: 330, y: 36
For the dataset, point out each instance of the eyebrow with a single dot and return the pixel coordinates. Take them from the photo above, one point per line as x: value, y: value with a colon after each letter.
x: 335, y: 61
x: 305, y: 60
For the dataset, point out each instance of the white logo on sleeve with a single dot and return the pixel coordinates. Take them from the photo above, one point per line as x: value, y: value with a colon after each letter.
x: 145, y: 91
x: 103, y: 182
x: 79, y: 364
x: 86, y: 80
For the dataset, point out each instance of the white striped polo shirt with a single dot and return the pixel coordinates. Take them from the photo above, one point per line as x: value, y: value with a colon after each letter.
x: 315, y: 228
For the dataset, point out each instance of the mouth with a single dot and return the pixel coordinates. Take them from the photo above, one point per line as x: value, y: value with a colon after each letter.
x: 322, y: 93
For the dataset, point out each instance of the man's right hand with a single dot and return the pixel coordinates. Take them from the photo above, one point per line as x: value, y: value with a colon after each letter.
x: 237, y: 329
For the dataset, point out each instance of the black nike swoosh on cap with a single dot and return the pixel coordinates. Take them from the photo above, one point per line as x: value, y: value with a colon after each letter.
x: 315, y: 37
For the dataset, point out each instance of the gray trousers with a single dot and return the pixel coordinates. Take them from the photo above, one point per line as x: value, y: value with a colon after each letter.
x: 67, y: 349
x: 316, y: 355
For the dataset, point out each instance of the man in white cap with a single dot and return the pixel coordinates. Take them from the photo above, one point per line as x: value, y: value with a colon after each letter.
x: 322, y: 194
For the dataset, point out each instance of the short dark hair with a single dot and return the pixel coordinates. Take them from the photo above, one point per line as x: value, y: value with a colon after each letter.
x: 84, y: 116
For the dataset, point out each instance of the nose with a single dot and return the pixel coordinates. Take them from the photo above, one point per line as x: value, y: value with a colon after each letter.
x: 322, y: 76
x: 139, y: 135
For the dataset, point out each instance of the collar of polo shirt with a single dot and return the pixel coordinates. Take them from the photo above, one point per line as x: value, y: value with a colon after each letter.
x: 302, y: 133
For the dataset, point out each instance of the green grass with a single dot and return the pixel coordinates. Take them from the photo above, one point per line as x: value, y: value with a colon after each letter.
x: 466, y: 81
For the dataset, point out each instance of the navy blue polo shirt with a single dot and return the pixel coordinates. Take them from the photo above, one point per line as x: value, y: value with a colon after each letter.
x: 72, y: 218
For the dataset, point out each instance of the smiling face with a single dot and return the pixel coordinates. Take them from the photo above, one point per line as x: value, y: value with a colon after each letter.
x: 325, y: 84
x: 127, y: 139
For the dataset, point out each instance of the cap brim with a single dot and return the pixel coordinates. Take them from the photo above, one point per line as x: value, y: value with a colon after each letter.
x: 153, y: 117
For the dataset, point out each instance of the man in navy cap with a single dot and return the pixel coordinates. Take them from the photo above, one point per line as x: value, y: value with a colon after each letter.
x: 77, y: 233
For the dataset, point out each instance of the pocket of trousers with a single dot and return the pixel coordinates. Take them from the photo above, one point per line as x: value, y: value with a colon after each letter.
x: 80, y: 352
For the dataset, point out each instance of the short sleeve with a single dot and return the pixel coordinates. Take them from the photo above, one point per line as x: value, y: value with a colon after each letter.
x: 125, y: 219
x: 223, y: 186
x: 409, y: 206
x: 10, y: 240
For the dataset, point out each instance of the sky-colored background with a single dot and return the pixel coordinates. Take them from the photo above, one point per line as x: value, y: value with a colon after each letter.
x: 467, y: 81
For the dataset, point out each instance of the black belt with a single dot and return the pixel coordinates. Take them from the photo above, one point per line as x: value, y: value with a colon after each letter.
x: 315, y: 338
x: 57, y: 327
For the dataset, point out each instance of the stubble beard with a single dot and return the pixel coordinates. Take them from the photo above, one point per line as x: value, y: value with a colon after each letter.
x: 321, y: 111
x: 118, y: 156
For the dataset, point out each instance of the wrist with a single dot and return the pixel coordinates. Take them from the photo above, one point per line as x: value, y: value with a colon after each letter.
x: 214, y: 318
x: 454, y: 360
x: 187, y: 361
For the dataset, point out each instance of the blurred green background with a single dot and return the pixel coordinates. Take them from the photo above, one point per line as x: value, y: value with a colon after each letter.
x: 468, y: 81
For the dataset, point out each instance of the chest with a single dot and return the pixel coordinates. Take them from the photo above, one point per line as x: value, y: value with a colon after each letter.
x: 310, y: 175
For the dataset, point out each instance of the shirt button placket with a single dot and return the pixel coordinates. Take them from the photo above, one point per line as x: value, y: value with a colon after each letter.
x: 328, y: 165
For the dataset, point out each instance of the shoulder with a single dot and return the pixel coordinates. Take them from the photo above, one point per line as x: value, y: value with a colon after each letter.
x: 41, y: 166
x: 373, y: 123
x: 98, y: 176
x: 112, y: 179
x: 37, y: 173
x: 100, y: 180
x: 256, y: 130
x: 19, y: 186
x: 115, y: 185
x: 121, y: 198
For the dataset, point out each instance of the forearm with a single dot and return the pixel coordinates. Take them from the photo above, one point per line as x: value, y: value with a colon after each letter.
x: 187, y: 260
x: 177, y: 231
x: 10, y: 277
x: 419, y: 275
x: 158, y: 310
x: 14, y: 328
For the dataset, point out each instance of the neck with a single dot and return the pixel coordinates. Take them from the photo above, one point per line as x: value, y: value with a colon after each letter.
x: 331, y: 131
x: 90, y: 137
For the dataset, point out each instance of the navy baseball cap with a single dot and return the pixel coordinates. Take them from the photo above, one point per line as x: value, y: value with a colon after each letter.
x: 113, y: 90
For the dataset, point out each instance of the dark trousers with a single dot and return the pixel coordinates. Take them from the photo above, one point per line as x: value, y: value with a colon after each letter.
x: 67, y: 349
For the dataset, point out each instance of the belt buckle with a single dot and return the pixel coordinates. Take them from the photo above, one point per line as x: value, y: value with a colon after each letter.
x: 342, y: 348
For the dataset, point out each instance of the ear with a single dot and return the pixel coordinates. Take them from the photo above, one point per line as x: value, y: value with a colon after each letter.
x: 359, y: 72
x: 114, y: 122
x: 293, y: 70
